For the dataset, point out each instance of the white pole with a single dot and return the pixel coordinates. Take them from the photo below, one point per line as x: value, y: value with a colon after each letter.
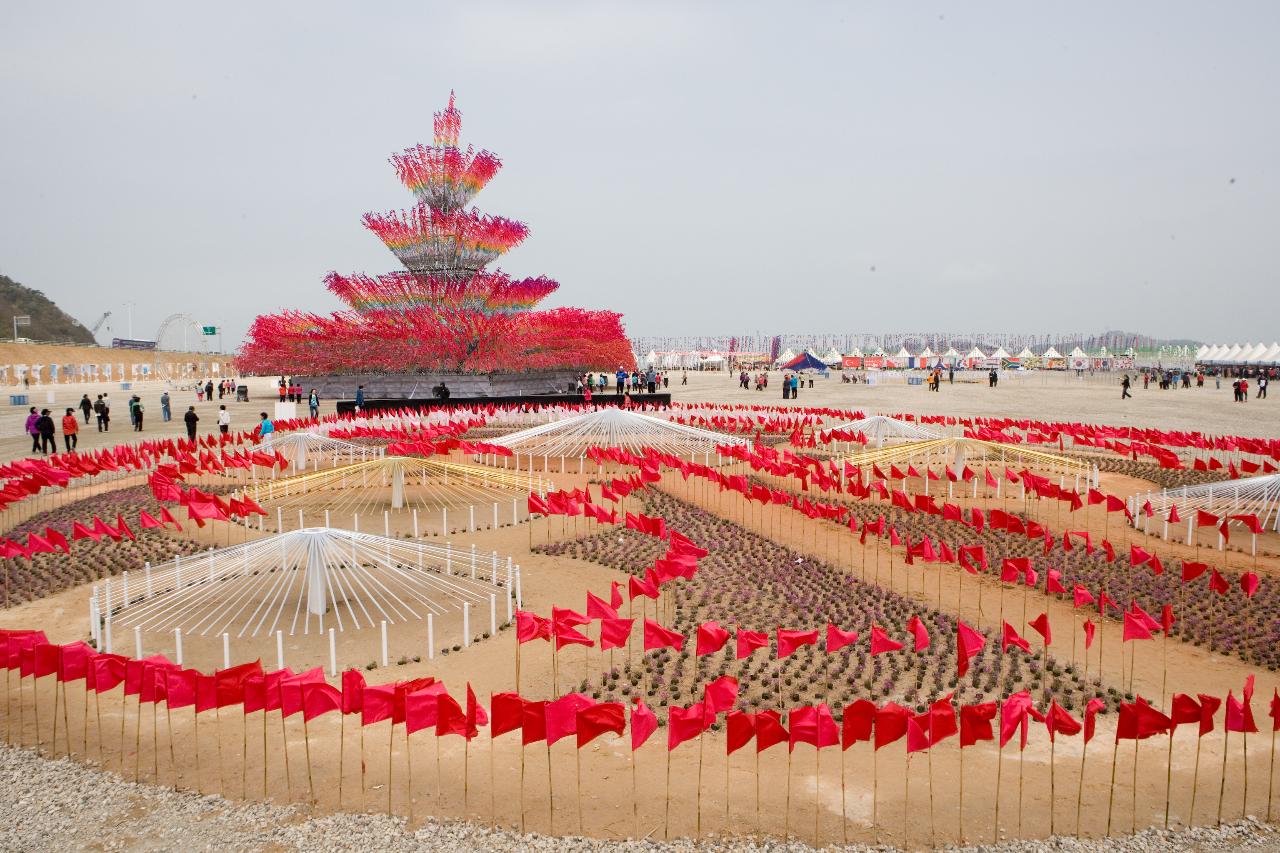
x: 226, y: 651
x: 386, y: 523
x: 108, y: 631
x: 473, y: 561
x: 495, y: 515
x: 177, y: 645
x: 415, y: 522
x: 431, y: 636
x: 506, y: 591
x: 471, y: 511
x: 94, y: 631
x: 493, y: 614
x: 515, y: 513
x: 384, y: 642
x: 333, y: 653
x: 519, y: 596
x: 300, y: 524
x: 444, y: 521
x: 137, y: 642
x: 279, y: 519
x: 147, y: 570
x: 279, y: 649
x: 326, y: 518
x: 466, y: 623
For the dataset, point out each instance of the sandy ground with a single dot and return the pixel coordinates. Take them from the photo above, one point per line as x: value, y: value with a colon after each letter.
x: 498, y: 781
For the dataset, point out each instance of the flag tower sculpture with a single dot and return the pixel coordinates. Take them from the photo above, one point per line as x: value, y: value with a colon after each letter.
x: 445, y: 311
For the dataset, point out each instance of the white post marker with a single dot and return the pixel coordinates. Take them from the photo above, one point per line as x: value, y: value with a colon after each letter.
x: 493, y: 614
x: 519, y: 596
x: 137, y: 642
x: 108, y: 629
x: 466, y: 623
x: 177, y: 645
x: 415, y: 522
x: 226, y: 651
x: 431, y: 636
x: 333, y: 653
x: 384, y: 642
x: 279, y: 649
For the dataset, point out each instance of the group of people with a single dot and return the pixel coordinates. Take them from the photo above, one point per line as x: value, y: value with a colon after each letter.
x: 791, y: 386
x: 935, y: 378
x: 290, y: 391
x: 1240, y: 387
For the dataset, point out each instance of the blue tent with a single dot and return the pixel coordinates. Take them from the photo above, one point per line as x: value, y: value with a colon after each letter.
x: 805, y: 361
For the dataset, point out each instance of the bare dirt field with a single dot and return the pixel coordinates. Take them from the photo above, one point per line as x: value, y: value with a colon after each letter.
x: 335, y: 771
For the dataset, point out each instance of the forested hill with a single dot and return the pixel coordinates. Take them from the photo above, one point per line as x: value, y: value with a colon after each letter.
x: 48, y: 321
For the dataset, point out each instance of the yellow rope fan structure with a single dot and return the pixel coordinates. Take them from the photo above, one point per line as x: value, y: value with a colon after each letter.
x: 404, y: 494
x: 956, y: 452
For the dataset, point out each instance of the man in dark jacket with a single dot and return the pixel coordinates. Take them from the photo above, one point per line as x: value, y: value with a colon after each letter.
x: 48, y: 443
x: 191, y: 419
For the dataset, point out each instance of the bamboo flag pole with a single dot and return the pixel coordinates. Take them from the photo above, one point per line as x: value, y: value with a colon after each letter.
x: 306, y: 738
x: 635, y: 807
x: 173, y: 761
x: 817, y: 786
x: 1111, y: 791
x: 1222, y: 787
x: 1168, y: 777
x: 391, y: 739
x: 195, y: 717
x: 844, y: 818
x: 1195, y: 782
x: 666, y: 815
x: 342, y: 743
x: 1271, y: 772
x: 1133, y: 821
x: 698, y: 796
x: 577, y: 762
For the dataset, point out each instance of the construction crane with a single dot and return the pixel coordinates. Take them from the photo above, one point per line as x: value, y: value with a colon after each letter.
x: 98, y: 325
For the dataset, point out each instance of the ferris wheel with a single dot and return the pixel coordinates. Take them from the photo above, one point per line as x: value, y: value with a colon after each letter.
x: 181, y: 333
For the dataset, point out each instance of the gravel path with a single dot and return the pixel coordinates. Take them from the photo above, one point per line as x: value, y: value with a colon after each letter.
x: 61, y: 805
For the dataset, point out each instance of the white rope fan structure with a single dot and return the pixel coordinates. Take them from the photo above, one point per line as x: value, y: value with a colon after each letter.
x: 612, y: 427
x: 1258, y: 496
x: 304, y: 581
x: 316, y: 449
x: 880, y: 429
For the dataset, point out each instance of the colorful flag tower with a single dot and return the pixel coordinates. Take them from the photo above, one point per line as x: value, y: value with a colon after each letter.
x: 445, y: 311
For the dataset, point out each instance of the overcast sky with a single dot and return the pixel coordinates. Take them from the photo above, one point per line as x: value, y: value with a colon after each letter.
x: 702, y: 168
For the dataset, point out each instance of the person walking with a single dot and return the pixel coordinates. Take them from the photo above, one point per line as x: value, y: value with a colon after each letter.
x: 86, y: 407
x: 33, y: 418
x: 208, y: 390
x: 621, y: 376
x: 135, y: 406
x: 313, y: 403
x: 166, y: 413
x: 70, y: 428
x: 1124, y: 387
x: 224, y: 420
x: 266, y: 427
x: 48, y: 441
x: 359, y: 397
x: 191, y: 419
x: 132, y: 403
x: 1262, y: 387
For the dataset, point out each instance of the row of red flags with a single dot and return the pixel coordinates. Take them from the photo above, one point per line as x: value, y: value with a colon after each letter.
x: 425, y: 704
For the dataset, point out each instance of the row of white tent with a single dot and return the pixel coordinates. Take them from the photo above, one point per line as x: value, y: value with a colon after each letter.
x: 1239, y: 354
x: 951, y: 356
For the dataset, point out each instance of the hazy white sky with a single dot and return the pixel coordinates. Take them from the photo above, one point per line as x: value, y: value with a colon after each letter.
x: 700, y: 167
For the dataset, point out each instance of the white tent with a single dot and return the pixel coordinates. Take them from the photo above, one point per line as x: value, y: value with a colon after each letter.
x: 1051, y: 353
x: 1026, y: 353
x: 928, y: 353
x: 855, y: 353
x: 1079, y: 353
x: 902, y: 353
x: 833, y: 357
x: 1256, y: 354
x: 951, y: 353
x: 1201, y: 351
x: 1000, y: 353
x: 787, y: 355
x: 1271, y: 356
x: 976, y: 354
